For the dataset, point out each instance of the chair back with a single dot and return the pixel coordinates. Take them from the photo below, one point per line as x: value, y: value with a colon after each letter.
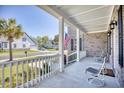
x: 102, y: 67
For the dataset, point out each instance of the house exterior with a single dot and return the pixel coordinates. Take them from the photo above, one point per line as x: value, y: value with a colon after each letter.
x: 25, y: 42
x: 93, y: 29
x: 51, y: 44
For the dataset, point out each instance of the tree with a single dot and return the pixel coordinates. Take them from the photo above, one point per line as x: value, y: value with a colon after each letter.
x: 2, y: 22
x: 10, y: 29
x: 56, y: 39
x: 44, y: 40
x: 39, y: 41
x: 2, y: 26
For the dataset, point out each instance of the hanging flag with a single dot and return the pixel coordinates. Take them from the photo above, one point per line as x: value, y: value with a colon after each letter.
x: 66, y: 40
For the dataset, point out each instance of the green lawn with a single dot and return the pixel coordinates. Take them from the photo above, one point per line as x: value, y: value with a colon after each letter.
x: 18, y: 51
x: 52, y: 49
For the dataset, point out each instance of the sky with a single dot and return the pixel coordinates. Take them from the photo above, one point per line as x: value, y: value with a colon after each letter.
x: 34, y: 21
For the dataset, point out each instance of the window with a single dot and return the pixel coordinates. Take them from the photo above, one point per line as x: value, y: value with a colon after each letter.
x: 24, y: 39
x: 4, y: 44
x: 14, y: 45
x: 80, y: 44
x: 120, y: 34
x: 72, y: 44
x: 24, y: 46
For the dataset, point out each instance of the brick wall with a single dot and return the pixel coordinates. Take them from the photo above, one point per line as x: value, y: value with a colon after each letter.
x: 94, y: 43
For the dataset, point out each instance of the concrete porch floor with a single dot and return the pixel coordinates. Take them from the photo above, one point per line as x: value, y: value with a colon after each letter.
x: 74, y: 76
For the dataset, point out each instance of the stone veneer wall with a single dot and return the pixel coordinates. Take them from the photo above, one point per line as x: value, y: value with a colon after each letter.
x: 95, y: 43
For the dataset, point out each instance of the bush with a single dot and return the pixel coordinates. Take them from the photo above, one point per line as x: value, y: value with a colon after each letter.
x: 44, y: 69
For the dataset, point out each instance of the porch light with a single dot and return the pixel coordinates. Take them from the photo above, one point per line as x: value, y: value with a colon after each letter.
x: 113, y: 24
x: 109, y: 33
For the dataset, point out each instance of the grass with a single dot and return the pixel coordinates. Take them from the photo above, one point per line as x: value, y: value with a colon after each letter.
x: 52, y: 49
x: 18, y: 51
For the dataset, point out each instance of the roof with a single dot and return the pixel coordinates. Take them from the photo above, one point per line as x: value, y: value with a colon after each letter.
x: 30, y: 38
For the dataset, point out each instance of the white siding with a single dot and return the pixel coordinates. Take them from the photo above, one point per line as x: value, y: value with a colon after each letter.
x: 29, y: 44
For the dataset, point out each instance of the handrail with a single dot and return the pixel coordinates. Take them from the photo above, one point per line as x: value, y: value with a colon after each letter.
x: 72, y: 53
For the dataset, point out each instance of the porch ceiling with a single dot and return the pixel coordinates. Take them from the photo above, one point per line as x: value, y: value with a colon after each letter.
x: 90, y: 18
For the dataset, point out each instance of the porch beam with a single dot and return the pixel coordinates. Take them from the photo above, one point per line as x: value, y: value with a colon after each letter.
x: 97, y: 31
x: 94, y: 19
x: 78, y: 44
x: 61, y: 43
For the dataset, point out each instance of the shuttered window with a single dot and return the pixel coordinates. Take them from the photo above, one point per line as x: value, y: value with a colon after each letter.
x: 80, y: 44
x: 72, y: 44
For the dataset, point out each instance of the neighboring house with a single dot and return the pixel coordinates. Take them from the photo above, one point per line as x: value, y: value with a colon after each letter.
x: 51, y: 44
x: 25, y: 42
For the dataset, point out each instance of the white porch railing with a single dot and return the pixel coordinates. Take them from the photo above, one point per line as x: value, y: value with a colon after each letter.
x: 72, y: 57
x: 29, y: 71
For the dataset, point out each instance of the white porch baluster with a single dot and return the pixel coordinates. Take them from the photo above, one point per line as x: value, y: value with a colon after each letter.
x: 16, y: 74
x: 32, y: 73
x: 10, y: 75
x: 2, y: 75
x: 40, y: 69
x: 22, y: 74
x: 61, y: 44
x: 78, y: 45
x: 36, y: 71
x: 51, y: 65
x: 48, y: 66
x: 43, y: 68
x: 27, y: 73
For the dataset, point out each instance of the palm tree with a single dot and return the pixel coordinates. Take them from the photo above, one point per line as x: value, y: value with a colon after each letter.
x: 2, y: 27
x: 2, y: 22
x: 10, y: 29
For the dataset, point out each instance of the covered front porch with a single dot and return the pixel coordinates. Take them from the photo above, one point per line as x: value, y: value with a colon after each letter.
x: 95, y: 30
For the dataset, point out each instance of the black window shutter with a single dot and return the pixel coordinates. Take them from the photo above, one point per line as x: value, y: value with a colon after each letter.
x: 80, y: 44
x: 72, y: 44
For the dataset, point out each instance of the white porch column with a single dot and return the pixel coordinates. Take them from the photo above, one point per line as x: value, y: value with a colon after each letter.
x: 78, y: 44
x: 83, y: 42
x: 61, y: 43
